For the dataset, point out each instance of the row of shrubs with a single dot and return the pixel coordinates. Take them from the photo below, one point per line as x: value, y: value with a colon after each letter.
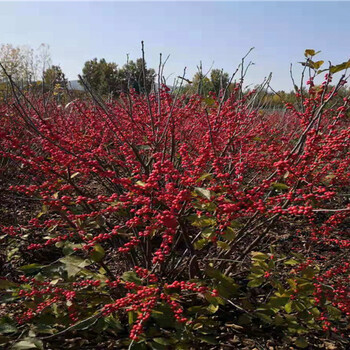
x: 166, y: 222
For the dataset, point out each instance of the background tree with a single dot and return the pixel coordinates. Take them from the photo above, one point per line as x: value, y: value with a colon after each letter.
x: 219, y: 80
x: 102, y: 76
x: 24, y: 64
x: 201, y: 84
x: 54, y: 81
x: 105, y: 77
x: 19, y: 62
x: 43, y: 60
x: 131, y: 76
x: 54, y: 77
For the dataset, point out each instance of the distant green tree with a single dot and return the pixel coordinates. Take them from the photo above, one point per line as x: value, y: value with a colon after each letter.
x: 55, y: 78
x: 132, y: 76
x: 105, y: 77
x: 55, y: 82
x: 102, y: 76
x: 219, y: 80
x: 202, y: 85
x: 23, y: 64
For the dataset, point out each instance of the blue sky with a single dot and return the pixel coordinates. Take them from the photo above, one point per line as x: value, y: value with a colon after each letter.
x: 189, y: 31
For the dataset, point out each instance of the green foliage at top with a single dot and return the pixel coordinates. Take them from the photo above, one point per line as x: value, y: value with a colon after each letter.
x: 107, y: 78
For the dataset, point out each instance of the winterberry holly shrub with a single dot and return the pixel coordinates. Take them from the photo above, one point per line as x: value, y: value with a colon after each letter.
x: 166, y: 222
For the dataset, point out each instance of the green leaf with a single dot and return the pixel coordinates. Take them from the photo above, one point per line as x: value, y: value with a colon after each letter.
x: 306, y: 287
x: 208, y: 232
x: 24, y: 344
x: 278, y: 320
x: 44, y: 211
x: 223, y: 245
x: 318, y: 64
x: 213, y: 308
x: 334, y: 312
x: 235, y: 224
x: 197, y: 309
x: 98, y: 253
x: 328, y: 179
x: 197, y: 326
x: 312, y: 64
x: 298, y: 306
x: 301, y: 343
x: 230, y: 234
x: 214, y: 300
x: 113, y: 323
x: 227, y: 284
x: 256, y: 282
x: 209, y: 206
x: 209, y: 101
x: 44, y: 328
x: 74, y: 175
x: 12, y: 253
x: 262, y: 264
x: 200, y: 244
x: 74, y: 264
x: 315, y: 312
x: 163, y: 341
x: 279, y: 186
x: 6, y: 326
x: 131, y: 276
x: 145, y: 147
x: 31, y: 268
x: 292, y: 283
x: 278, y: 301
x: 138, y: 346
x: 288, y: 307
x: 340, y: 67
x: 244, y: 319
x: 28, y: 343
x: 308, y: 63
x: 204, y: 221
x: 207, y: 339
x: 156, y: 346
x: 309, y: 272
x: 132, y: 316
x: 4, y: 340
x: 256, y: 271
x: 5, y: 284
x: 259, y: 256
x: 310, y: 52
x: 162, y: 318
x: 67, y: 248
x: 204, y: 193
x: 204, y: 177
x: 214, y: 273
x: 60, y: 245
x: 291, y: 262
x: 264, y: 317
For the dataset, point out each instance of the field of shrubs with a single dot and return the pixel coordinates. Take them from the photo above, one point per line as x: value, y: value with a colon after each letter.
x: 171, y: 221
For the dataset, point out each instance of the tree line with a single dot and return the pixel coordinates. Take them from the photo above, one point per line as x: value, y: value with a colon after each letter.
x: 28, y: 67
